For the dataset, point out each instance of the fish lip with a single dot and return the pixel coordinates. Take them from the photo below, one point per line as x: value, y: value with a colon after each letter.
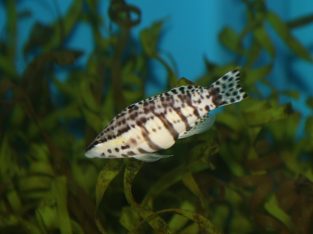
x: 88, y: 154
x: 90, y: 146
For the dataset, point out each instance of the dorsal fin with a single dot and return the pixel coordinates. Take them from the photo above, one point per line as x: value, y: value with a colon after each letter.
x: 227, y: 90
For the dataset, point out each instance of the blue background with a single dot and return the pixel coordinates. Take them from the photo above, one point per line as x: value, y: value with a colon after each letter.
x: 191, y: 32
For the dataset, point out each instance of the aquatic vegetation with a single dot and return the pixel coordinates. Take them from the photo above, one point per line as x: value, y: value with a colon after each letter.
x: 248, y: 174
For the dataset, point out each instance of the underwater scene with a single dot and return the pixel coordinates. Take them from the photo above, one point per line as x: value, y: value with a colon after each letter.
x: 133, y: 116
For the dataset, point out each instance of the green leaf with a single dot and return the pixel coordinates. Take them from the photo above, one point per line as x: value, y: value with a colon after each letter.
x: 252, y: 54
x: 172, y: 177
x: 262, y: 37
x: 150, y: 38
x: 178, y: 221
x: 192, y: 185
x: 14, y: 201
x: 284, y: 32
x: 273, y: 208
x: 203, y: 222
x: 105, y: 177
x: 192, y: 228
x: 183, y: 81
x: 266, y: 114
x: 87, y: 96
x: 59, y: 189
x: 231, y: 40
x: 254, y: 75
x: 131, y: 170
x: 309, y: 102
x: 6, y: 67
x: 8, y: 166
x: 30, y: 183
x: 92, y: 119
x: 41, y: 168
x: 64, y: 26
x: 129, y: 218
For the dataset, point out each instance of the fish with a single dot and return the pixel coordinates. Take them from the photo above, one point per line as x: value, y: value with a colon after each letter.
x: 144, y: 128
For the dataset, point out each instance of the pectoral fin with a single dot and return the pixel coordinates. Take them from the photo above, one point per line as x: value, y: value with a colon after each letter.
x: 204, y: 124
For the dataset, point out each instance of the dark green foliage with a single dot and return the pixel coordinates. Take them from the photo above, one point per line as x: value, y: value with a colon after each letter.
x: 247, y: 174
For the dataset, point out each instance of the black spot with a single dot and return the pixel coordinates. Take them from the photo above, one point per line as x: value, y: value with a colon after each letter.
x: 130, y: 153
x: 207, y: 108
x: 117, y: 149
x: 235, y: 93
x: 131, y: 106
x: 109, y: 150
x: 123, y: 147
x: 217, y: 82
x: 245, y: 95
x: 231, y: 85
x: 225, y: 77
x: 133, y: 115
x: 174, y: 91
x: 182, y: 89
x: 123, y: 130
x: 102, y: 154
x: 232, y: 100
x: 189, y: 86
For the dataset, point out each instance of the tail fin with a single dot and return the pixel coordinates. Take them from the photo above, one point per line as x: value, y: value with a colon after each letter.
x: 227, y: 90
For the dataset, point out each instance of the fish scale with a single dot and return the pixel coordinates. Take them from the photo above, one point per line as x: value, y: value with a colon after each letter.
x: 155, y: 123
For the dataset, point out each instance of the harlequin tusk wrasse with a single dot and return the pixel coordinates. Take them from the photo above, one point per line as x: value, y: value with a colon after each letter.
x: 153, y: 124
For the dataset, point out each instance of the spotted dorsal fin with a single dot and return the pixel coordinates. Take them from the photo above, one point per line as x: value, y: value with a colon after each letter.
x: 227, y: 90
x: 204, y: 124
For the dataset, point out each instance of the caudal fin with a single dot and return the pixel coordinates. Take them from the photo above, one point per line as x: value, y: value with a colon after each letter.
x: 227, y: 90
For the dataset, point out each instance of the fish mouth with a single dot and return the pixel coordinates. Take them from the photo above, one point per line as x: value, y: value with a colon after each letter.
x: 89, y: 154
x: 91, y: 151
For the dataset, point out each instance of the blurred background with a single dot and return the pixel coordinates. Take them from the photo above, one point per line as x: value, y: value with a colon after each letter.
x: 67, y: 67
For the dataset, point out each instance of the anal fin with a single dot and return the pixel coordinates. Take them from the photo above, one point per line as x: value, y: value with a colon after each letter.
x: 150, y: 157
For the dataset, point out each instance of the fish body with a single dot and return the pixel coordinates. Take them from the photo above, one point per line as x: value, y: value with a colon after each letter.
x: 155, y: 123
